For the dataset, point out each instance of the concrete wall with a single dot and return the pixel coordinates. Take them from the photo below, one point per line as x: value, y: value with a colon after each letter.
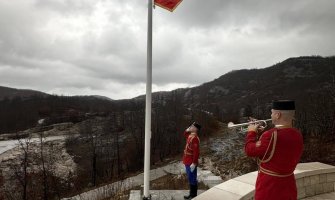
x: 311, y: 178
x: 317, y: 181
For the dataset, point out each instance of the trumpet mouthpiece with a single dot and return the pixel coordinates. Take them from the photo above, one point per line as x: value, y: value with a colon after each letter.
x: 230, y: 124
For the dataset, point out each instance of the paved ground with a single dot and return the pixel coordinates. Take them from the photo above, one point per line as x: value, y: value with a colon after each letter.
x: 161, y: 194
x: 328, y: 196
x: 175, y: 168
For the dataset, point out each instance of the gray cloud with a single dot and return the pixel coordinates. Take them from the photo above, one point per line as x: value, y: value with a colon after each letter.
x: 99, y: 47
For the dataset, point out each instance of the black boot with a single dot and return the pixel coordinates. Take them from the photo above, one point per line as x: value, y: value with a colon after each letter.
x: 194, y: 191
x: 190, y: 193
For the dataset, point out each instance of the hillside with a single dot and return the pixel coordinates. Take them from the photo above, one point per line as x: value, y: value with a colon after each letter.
x: 294, y: 78
x: 232, y: 94
x: 6, y: 92
x: 229, y: 97
x: 20, y: 113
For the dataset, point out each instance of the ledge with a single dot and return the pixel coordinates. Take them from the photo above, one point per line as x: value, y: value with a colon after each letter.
x: 312, y: 179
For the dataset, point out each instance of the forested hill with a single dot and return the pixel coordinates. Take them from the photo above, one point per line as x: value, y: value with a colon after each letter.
x: 234, y: 95
x: 252, y: 91
x: 10, y: 93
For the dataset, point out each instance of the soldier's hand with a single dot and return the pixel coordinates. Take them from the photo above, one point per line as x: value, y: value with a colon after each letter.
x: 193, y: 167
x: 253, y: 127
x: 261, y: 128
x: 188, y: 129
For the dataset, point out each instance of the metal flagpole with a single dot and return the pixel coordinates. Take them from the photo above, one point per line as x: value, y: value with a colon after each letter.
x: 146, y: 194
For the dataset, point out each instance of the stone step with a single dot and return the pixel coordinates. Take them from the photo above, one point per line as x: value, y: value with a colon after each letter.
x: 135, y: 195
x: 211, y: 181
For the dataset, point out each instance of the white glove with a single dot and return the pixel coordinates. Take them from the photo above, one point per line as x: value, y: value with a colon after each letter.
x: 193, y: 166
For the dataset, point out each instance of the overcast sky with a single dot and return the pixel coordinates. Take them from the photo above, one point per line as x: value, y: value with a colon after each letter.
x: 98, y: 47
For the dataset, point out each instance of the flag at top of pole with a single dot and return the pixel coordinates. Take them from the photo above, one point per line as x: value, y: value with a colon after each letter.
x: 168, y: 4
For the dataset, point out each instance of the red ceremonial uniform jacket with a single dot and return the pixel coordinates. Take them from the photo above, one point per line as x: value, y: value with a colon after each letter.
x: 191, y: 151
x: 280, y: 153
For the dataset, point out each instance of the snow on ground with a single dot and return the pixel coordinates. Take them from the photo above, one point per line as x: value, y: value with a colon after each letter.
x: 61, y: 162
x: 10, y: 144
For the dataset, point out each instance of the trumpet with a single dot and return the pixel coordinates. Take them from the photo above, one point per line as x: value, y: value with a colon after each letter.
x: 244, y: 126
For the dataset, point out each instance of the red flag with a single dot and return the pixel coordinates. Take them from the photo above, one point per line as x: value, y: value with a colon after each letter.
x: 168, y: 4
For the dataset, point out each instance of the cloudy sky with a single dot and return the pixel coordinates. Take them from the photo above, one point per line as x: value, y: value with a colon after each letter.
x: 81, y: 47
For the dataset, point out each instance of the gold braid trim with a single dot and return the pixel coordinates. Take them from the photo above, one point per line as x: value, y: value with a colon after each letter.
x: 274, y: 137
x: 259, y: 161
x: 187, y: 145
x: 272, y: 173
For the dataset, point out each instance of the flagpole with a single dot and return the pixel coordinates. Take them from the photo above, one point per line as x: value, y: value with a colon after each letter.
x: 147, y: 153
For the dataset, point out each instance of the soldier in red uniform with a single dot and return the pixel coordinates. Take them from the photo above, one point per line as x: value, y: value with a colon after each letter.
x: 278, y: 151
x: 191, y: 156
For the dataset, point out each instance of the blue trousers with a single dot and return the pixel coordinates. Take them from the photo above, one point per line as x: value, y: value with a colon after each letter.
x: 192, y: 176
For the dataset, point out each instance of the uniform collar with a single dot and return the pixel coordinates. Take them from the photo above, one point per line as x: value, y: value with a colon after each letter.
x: 194, y: 134
x: 282, y: 126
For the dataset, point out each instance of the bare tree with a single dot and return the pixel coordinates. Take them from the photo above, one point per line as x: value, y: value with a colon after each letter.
x: 21, y: 170
x: 92, y: 136
x: 43, y: 165
x: 1, y: 186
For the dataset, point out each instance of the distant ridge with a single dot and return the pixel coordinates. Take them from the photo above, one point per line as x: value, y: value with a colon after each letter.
x: 295, y: 78
x: 236, y: 93
x: 10, y: 93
